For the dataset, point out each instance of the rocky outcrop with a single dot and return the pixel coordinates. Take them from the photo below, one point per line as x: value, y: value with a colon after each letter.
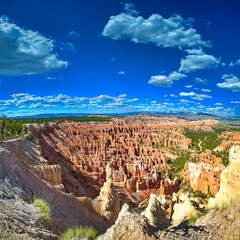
x: 129, y: 226
x: 228, y: 139
x: 107, y: 204
x: 229, y: 191
x: 156, y: 211
x: 184, y: 210
x: 50, y: 173
x: 18, y: 219
x: 204, y: 173
x: 26, y: 184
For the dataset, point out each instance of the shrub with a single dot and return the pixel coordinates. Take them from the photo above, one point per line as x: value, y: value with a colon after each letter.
x: 44, y: 207
x: 30, y: 136
x: 79, y: 231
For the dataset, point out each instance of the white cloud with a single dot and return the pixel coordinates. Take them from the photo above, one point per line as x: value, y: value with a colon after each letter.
x: 50, y: 78
x: 184, y: 101
x: 61, y: 100
x: 235, y: 102
x: 73, y: 34
x: 194, y: 51
x: 163, y: 32
x: 206, y: 90
x: 25, y: 52
x: 173, y: 95
x: 218, y: 104
x: 166, y: 81
x: 203, y: 81
x: 193, y: 63
x: 188, y: 86
x: 233, y: 64
x: 121, y: 73
x: 129, y: 8
x: 231, y: 83
x: 194, y: 95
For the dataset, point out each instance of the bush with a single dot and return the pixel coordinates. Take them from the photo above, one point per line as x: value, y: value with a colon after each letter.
x: 44, y: 207
x: 79, y: 231
x: 30, y: 136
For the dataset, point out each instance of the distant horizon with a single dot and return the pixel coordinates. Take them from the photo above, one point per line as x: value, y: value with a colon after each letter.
x: 72, y: 114
x: 119, y: 57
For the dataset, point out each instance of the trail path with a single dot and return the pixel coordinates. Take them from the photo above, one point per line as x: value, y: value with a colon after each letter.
x: 200, y: 142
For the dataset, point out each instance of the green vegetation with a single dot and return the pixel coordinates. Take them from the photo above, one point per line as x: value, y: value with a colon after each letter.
x: 10, y: 211
x: 178, y: 164
x: 224, y: 156
x: 191, y: 220
x: 206, y: 140
x: 198, y: 194
x: 79, y: 231
x: 44, y: 207
x: 15, y: 128
x: 30, y: 136
x: 10, y: 195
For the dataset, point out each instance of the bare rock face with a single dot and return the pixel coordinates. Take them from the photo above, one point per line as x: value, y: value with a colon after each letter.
x: 129, y: 226
x: 229, y: 191
x: 107, y: 203
x: 17, y: 159
x: 50, y: 173
x: 184, y: 210
x: 204, y: 175
x: 156, y: 212
x: 229, y: 139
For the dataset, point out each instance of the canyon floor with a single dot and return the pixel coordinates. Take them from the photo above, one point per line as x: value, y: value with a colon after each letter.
x: 134, y: 177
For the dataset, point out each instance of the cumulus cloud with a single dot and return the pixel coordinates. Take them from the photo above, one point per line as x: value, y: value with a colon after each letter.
x: 163, y: 32
x: 231, y: 83
x: 25, y: 52
x: 194, y: 51
x: 192, y: 63
x: 173, y: 95
x: 166, y: 81
x: 203, y: 81
x: 235, y: 102
x: 194, y: 95
x: 61, y: 100
x: 218, y: 104
x: 188, y: 86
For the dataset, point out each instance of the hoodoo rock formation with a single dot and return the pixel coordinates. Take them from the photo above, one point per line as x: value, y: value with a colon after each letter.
x: 203, y: 175
x: 229, y: 191
x: 138, y: 152
x: 107, y: 203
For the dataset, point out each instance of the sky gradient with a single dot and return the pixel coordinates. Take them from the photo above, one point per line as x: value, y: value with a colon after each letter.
x: 119, y: 56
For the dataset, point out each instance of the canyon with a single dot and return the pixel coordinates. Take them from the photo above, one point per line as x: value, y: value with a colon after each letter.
x: 109, y: 171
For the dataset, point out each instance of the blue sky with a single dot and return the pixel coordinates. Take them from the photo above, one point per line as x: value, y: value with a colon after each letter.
x: 119, y: 56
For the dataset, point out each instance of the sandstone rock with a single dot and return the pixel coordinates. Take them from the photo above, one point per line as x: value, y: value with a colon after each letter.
x: 132, y: 149
x: 107, y: 204
x: 229, y: 191
x: 50, y: 173
x: 203, y: 175
x: 155, y: 212
x: 131, y: 226
x: 16, y: 163
x: 184, y: 211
